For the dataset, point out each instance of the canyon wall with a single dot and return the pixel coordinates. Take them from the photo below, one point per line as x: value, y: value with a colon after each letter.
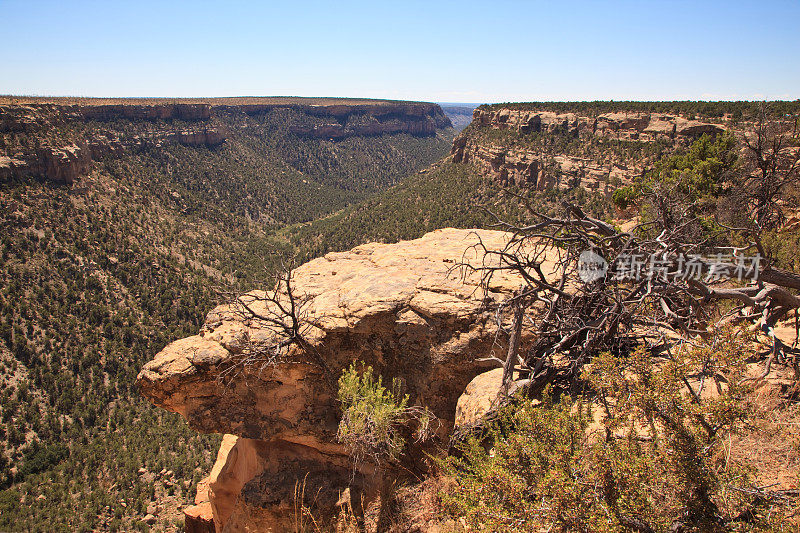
x: 645, y: 127
x: 68, y: 163
x: 518, y: 156
x: 61, y: 141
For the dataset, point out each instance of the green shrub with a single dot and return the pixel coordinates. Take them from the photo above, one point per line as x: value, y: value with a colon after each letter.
x: 653, y: 461
x: 372, y: 416
x: 625, y: 196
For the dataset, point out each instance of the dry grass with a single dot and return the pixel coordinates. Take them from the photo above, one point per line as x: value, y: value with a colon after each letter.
x: 412, y: 508
x: 771, y: 445
x: 305, y: 521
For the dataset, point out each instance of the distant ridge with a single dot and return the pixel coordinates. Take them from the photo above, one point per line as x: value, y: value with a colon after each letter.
x: 227, y: 101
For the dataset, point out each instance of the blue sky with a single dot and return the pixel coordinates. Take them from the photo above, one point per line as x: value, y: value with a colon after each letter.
x: 438, y: 51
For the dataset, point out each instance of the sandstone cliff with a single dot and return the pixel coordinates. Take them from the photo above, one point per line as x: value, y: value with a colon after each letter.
x: 644, y: 127
x: 517, y: 158
x: 48, y: 150
x: 396, y: 307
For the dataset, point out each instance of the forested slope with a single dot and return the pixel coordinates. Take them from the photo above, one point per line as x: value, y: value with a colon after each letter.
x: 119, y: 233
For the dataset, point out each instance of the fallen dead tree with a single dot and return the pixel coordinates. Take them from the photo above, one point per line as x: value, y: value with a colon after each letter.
x: 637, y: 326
x: 611, y: 290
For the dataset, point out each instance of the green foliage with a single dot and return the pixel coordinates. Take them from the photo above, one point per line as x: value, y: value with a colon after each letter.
x: 625, y: 196
x: 784, y: 247
x: 699, y: 173
x: 654, y: 457
x: 9, y: 502
x: 371, y: 414
x: 537, y: 472
x: 686, y: 191
x: 38, y: 458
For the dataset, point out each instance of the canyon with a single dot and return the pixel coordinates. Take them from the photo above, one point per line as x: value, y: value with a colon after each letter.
x: 140, y: 208
x: 128, y: 221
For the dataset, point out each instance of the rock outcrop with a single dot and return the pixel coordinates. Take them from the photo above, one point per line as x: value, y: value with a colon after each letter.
x: 400, y: 308
x: 11, y: 167
x: 64, y: 164
x: 518, y: 164
x: 534, y: 169
x: 645, y: 127
x: 199, y: 518
x: 69, y: 163
x: 203, y: 137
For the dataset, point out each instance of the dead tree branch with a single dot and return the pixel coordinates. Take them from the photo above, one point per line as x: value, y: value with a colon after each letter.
x: 655, y: 304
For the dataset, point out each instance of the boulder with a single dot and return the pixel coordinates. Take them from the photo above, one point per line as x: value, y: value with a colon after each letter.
x: 478, y: 398
x: 199, y: 519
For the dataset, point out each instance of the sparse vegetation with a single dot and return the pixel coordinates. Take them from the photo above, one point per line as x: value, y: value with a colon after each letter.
x: 372, y: 415
x: 643, y: 447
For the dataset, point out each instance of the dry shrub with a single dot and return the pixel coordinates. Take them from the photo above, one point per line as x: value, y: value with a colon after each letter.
x: 373, y: 415
x: 664, y: 463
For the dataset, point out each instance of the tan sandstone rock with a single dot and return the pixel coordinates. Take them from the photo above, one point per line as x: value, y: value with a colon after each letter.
x: 397, y: 307
x: 199, y: 518
x: 478, y: 397
x: 401, y: 308
x: 518, y: 164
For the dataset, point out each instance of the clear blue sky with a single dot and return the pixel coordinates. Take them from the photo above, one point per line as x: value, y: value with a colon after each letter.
x: 438, y: 51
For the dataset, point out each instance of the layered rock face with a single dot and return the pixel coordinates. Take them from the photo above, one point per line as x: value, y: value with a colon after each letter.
x: 531, y: 167
x: 189, y: 124
x: 399, y: 308
x: 146, y: 112
x: 413, y: 118
x: 69, y: 161
x: 644, y: 127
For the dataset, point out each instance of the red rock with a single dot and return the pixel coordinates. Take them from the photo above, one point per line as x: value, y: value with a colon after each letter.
x: 199, y: 519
